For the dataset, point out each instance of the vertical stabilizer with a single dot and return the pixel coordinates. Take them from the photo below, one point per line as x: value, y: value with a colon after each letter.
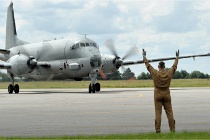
x: 11, y: 33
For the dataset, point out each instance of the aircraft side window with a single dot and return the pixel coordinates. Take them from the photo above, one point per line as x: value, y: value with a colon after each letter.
x: 87, y: 44
x: 77, y: 45
x: 82, y: 44
x: 73, y: 47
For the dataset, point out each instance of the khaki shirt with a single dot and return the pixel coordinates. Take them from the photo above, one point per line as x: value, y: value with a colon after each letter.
x: 162, y: 78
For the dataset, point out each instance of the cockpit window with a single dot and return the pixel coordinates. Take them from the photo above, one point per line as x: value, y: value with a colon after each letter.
x: 95, y: 45
x: 87, y: 44
x: 77, y: 45
x: 82, y: 44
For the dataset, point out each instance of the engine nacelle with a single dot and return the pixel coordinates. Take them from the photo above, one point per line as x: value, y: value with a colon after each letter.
x: 108, y: 65
x: 20, y: 64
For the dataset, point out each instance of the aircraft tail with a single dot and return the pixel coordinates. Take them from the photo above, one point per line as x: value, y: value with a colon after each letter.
x: 11, y: 33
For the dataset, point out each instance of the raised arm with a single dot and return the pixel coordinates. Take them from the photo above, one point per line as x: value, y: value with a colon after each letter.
x: 174, y: 67
x: 148, y: 66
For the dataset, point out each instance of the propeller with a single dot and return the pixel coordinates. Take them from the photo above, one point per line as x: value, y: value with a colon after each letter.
x: 41, y: 64
x: 118, y: 61
x: 37, y: 63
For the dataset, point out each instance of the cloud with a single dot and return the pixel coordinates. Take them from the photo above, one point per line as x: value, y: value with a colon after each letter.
x: 182, y: 19
x: 161, y: 27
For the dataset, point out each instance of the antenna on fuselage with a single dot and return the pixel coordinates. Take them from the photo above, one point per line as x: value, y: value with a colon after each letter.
x: 84, y: 35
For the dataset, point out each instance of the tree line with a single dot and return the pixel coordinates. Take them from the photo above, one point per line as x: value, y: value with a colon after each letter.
x: 128, y: 74
x: 183, y: 74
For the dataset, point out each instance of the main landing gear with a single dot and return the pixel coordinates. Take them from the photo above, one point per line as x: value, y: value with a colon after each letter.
x: 13, y: 87
x: 93, y: 87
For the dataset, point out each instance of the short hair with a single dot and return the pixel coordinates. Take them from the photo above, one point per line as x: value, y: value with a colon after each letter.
x: 161, y: 65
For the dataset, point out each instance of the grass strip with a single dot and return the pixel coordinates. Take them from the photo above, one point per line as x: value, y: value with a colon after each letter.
x: 179, y: 135
x: 107, y: 84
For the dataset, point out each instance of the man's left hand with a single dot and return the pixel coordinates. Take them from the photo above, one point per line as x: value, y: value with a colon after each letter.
x: 143, y: 53
x: 177, y: 53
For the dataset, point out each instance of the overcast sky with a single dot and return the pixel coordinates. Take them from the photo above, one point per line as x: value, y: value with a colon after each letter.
x: 161, y: 27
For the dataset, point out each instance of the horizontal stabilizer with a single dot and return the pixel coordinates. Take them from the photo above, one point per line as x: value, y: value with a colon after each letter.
x: 3, y: 51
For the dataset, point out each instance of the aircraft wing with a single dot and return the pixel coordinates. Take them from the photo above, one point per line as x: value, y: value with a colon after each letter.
x: 163, y: 59
x: 43, y: 64
x: 5, y: 66
x: 8, y: 66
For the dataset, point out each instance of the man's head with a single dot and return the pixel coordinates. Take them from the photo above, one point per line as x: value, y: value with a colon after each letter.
x: 161, y: 65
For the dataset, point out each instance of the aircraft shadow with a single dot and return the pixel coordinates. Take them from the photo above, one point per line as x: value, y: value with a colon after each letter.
x: 86, y: 92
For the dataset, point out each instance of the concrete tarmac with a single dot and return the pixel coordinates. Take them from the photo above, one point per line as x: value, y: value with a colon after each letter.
x: 56, y: 112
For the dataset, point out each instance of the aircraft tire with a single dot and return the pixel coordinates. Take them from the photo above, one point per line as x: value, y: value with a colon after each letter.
x: 90, y: 88
x: 16, y: 88
x: 94, y: 89
x: 10, y: 88
x: 98, y: 86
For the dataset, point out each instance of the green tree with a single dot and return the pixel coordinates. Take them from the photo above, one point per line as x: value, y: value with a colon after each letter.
x: 184, y: 74
x: 177, y: 75
x: 4, y: 77
x: 114, y: 76
x: 198, y: 74
x: 144, y: 76
x: 128, y: 74
x: 207, y: 76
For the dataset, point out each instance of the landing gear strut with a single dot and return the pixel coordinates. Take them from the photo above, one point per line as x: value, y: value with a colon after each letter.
x: 93, y: 87
x: 13, y: 87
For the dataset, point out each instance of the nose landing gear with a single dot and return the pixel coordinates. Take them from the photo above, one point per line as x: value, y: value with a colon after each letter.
x: 93, y: 87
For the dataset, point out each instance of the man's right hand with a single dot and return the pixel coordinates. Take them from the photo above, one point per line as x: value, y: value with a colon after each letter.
x: 143, y: 53
x: 177, y: 53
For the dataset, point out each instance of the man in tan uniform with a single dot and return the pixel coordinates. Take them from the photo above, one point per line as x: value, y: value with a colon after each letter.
x: 162, y: 97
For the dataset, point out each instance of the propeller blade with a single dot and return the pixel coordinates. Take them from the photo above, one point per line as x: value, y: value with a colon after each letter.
x: 133, y: 51
x: 110, y: 44
x: 123, y: 68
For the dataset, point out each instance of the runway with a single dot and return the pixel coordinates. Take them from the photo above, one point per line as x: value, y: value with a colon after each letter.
x: 56, y: 112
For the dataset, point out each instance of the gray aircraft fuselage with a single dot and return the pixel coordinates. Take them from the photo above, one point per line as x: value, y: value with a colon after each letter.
x: 68, y: 58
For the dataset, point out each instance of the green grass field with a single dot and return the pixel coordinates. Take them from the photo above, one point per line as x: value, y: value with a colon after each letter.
x: 183, y: 135
x: 107, y: 84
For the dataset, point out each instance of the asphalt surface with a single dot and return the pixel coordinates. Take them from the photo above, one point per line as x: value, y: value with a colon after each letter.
x: 56, y: 112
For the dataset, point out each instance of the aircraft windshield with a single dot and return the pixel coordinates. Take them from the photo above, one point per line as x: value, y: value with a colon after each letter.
x: 85, y: 45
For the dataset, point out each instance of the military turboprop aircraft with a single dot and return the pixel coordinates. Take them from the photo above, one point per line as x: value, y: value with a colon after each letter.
x: 60, y: 59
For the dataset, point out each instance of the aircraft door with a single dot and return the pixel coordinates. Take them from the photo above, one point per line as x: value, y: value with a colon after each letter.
x: 68, y: 55
x: 67, y: 50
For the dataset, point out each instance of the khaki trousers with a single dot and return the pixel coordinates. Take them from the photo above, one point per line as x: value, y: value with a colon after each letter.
x: 163, y: 98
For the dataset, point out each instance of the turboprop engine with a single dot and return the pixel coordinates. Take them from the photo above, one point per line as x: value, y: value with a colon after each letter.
x: 21, y: 64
